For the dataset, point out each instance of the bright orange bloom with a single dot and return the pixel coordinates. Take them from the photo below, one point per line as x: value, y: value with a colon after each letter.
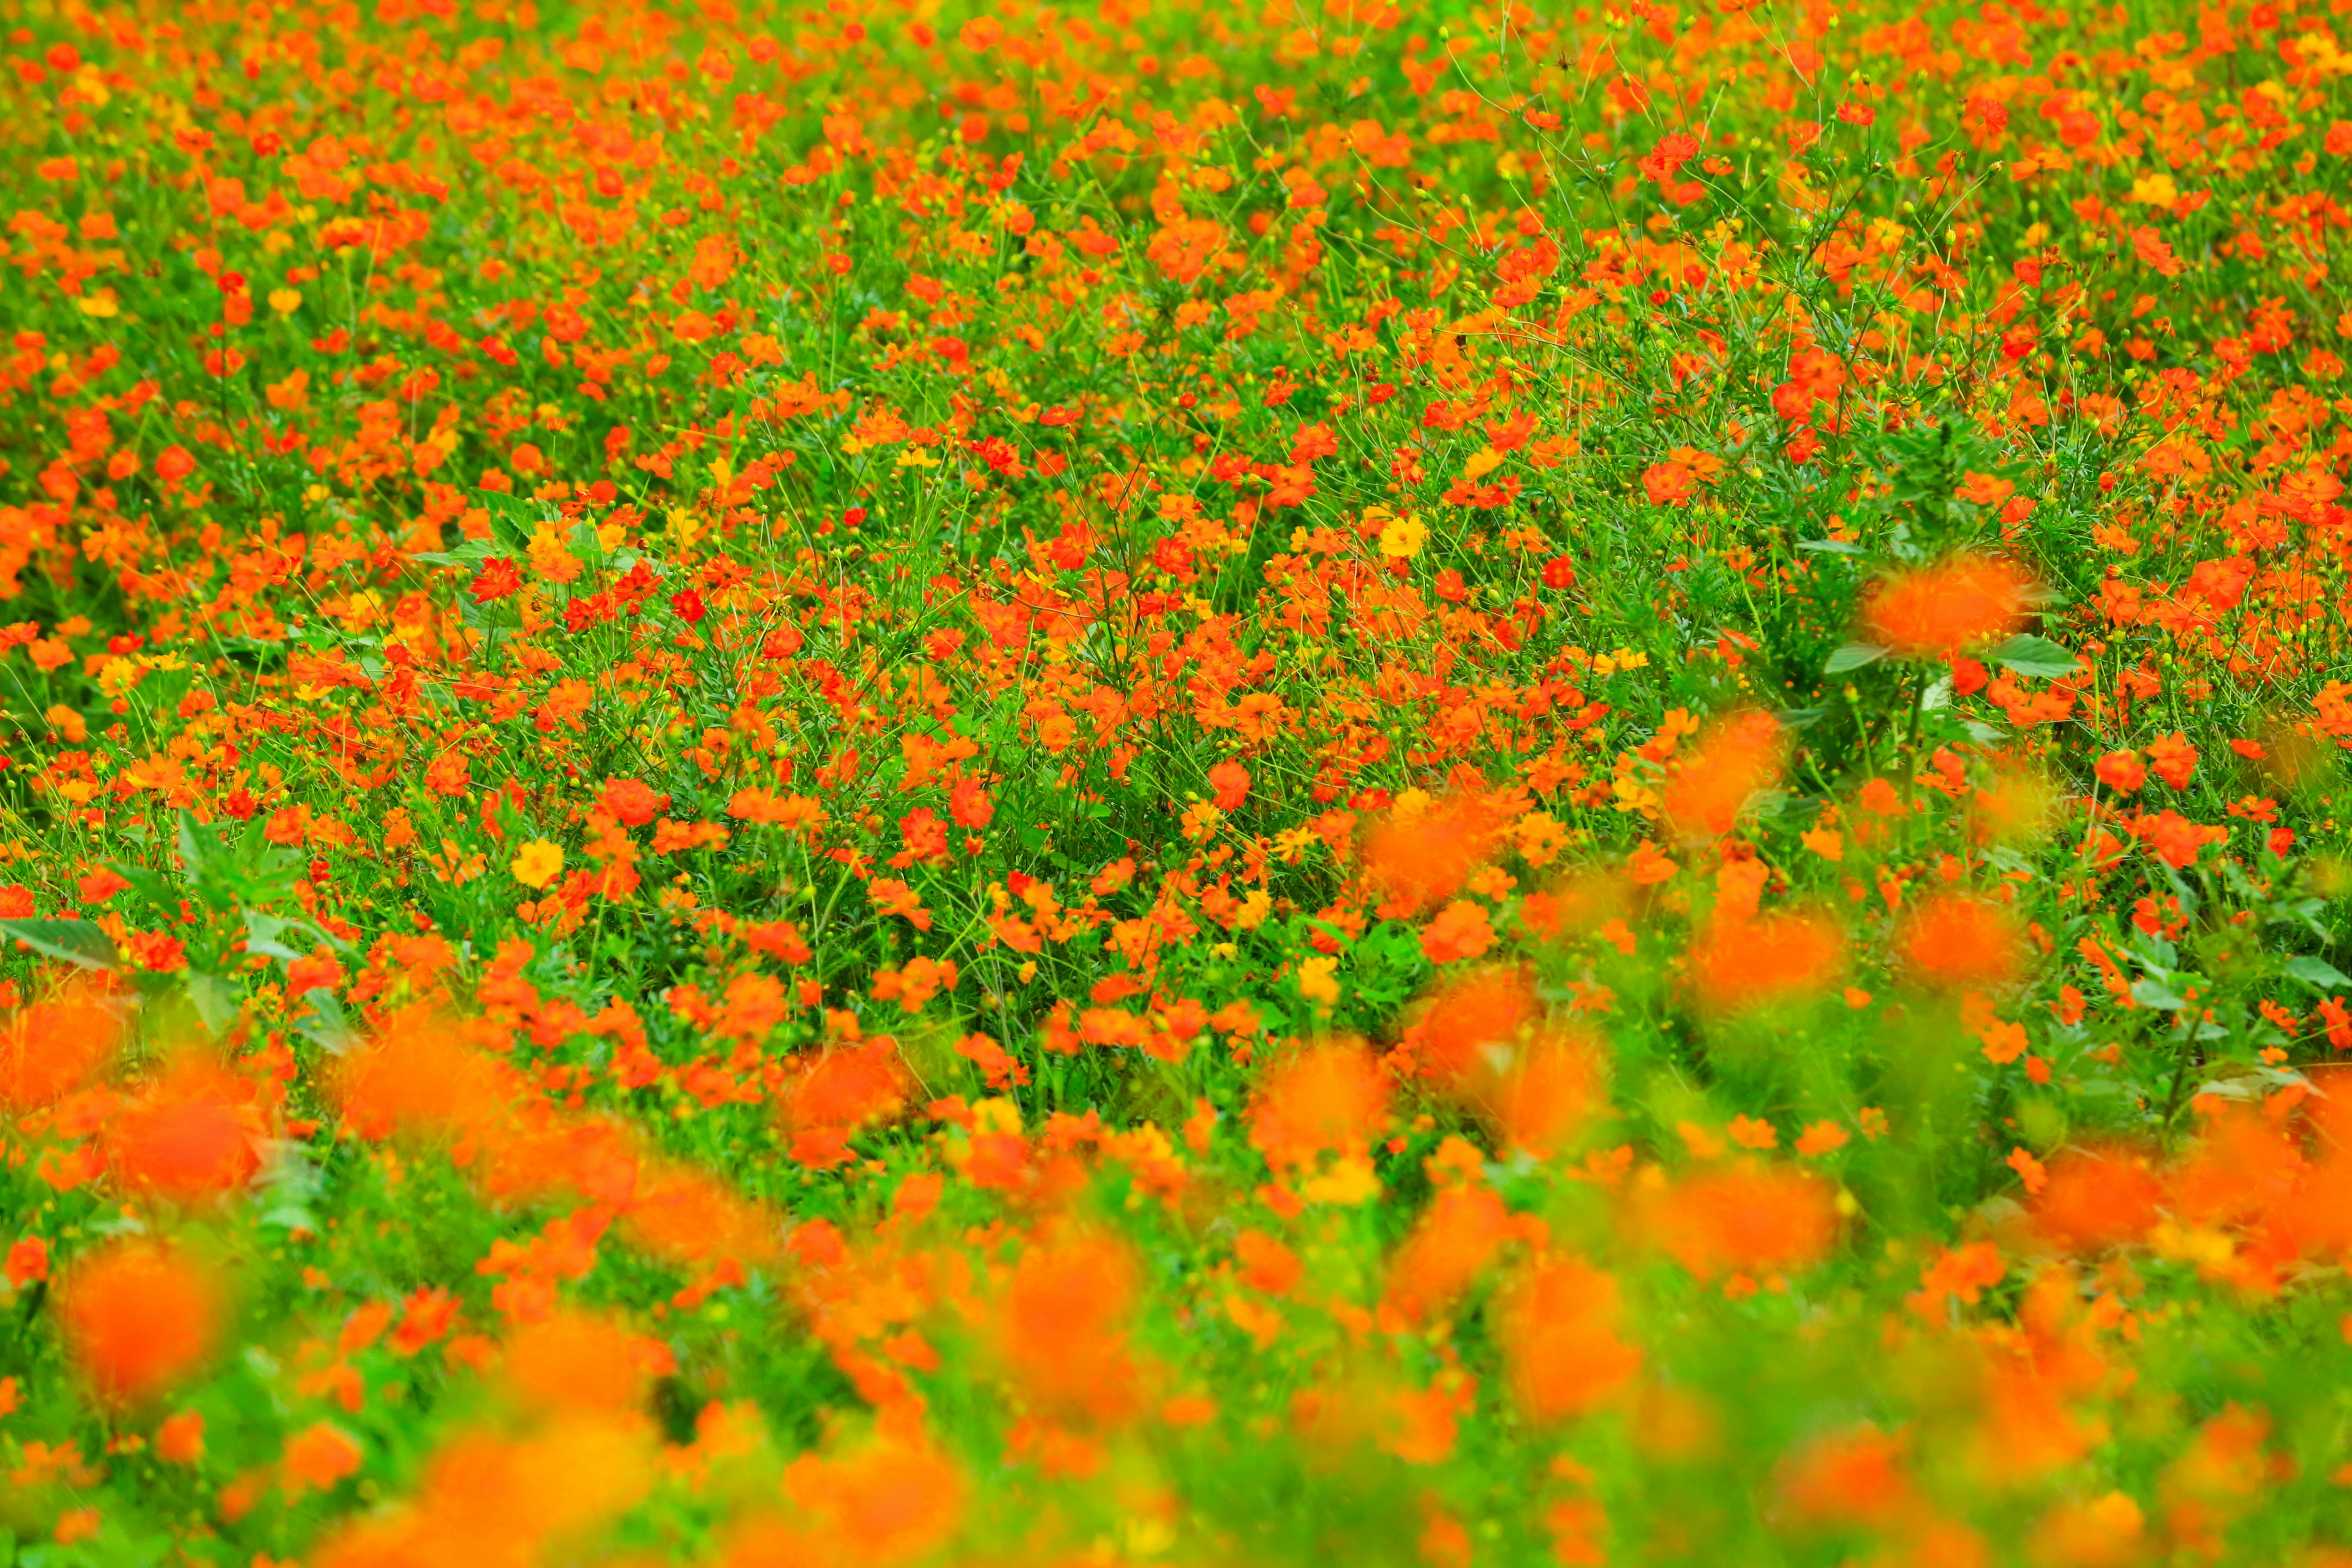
x: 1329, y: 1098
x: 1710, y: 786
x: 139, y: 1317
x: 1460, y: 931
x: 1738, y: 965
x: 2106, y: 1531
x: 1548, y: 1093
x: 1061, y: 1326
x: 1667, y: 484
x: 418, y: 1077
x: 1419, y: 861
x: 2174, y: 759
x: 55, y: 1046
x: 888, y: 1502
x: 1850, y: 1479
x: 2094, y: 1199
x: 317, y: 1458
x: 180, y: 1440
x: 492, y: 1497
x: 2122, y: 771
x: 1748, y: 1219
x: 189, y: 1134
x: 1464, y: 1017
x: 837, y: 1093
x: 1953, y: 942
x: 580, y: 1361
x: 1557, y: 1325
x: 1944, y: 609
x: 1462, y: 1229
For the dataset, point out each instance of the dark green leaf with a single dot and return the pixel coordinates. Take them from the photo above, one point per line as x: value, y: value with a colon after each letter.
x: 76, y: 941
x: 2037, y: 656
x: 1854, y: 655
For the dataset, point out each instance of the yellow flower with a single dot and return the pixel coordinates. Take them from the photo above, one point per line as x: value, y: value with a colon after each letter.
x: 1482, y: 461
x: 1319, y: 981
x: 537, y: 863
x: 284, y: 301
x: 1350, y: 1180
x: 1400, y: 537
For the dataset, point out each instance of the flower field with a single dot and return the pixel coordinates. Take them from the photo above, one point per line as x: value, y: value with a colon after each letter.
x: 856, y: 787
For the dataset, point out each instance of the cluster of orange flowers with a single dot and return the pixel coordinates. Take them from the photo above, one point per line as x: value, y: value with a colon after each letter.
x: 887, y: 787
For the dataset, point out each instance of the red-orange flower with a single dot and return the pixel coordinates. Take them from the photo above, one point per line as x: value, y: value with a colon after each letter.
x: 1557, y: 1325
x: 189, y: 1134
x: 139, y: 1317
x: 1736, y: 966
x: 1710, y: 786
x: 1749, y: 1219
x: 53, y: 1045
x: 1061, y: 1326
x: 1953, y: 942
x: 1546, y: 1093
x: 2094, y: 1199
x: 1329, y: 1098
x: 1943, y: 609
x: 1464, y: 1018
x: 1417, y: 861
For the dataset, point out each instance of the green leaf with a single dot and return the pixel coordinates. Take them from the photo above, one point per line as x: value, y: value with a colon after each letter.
x: 261, y: 933
x: 191, y: 848
x: 512, y: 519
x: 325, y: 1023
x: 1854, y: 655
x: 1832, y: 546
x: 466, y: 555
x: 76, y: 941
x: 2156, y: 993
x: 2317, y: 972
x: 2026, y: 654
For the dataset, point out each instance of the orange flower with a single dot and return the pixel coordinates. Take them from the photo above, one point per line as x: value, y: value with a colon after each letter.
x: 318, y: 1457
x: 1738, y: 965
x: 1328, y: 1099
x: 1942, y: 610
x: 1548, y: 1093
x: 180, y: 1440
x: 53, y: 1045
x: 2122, y: 771
x: 1713, y: 785
x: 1460, y: 931
x: 418, y: 1077
x: 28, y: 1261
x: 1418, y: 860
x: 1558, y: 1326
x: 2174, y: 758
x: 1463, y: 1018
x: 1667, y: 484
x: 139, y: 1317
x: 2106, y: 1531
x: 1749, y: 1219
x: 189, y: 1134
x: 888, y: 1502
x: 580, y: 1361
x: 837, y: 1093
x: 1952, y: 942
x: 1458, y: 1234
x: 1061, y: 1327
x: 1850, y: 1479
